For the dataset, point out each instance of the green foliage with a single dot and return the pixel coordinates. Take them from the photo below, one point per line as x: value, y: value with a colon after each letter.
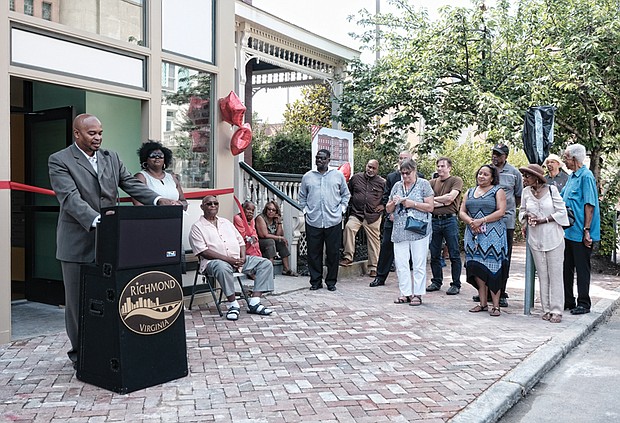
x: 314, y: 108
x: 484, y: 67
x: 608, y: 206
x: 285, y: 152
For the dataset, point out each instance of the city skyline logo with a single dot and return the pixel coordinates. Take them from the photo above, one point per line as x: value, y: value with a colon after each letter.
x: 150, y: 303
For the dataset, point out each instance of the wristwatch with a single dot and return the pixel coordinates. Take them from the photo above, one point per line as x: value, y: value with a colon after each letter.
x: 586, y: 229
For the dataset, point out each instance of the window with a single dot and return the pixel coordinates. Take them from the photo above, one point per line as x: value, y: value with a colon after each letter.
x: 46, y: 11
x: 187, y: 28
x: 170, y: 120
x: 28, y: 7
x: 186, y: 129
x: 12, y: 5
x: 122, y: 20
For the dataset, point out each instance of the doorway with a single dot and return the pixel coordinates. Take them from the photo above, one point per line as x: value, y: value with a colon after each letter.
x: 46, y: 131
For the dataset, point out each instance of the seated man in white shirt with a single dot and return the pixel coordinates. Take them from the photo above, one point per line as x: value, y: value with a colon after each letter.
x: 221, y: 250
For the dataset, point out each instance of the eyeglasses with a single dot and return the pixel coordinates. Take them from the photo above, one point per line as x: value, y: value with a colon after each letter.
x: 156, y: 156
x: 405, y: 173
x: 212, y: 203
x: 270, y: 209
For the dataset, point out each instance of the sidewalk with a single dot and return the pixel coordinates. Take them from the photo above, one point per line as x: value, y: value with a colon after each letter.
x: 349, y: 355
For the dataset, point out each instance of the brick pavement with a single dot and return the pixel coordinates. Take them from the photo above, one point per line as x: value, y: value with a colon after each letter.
x: 346, y: 356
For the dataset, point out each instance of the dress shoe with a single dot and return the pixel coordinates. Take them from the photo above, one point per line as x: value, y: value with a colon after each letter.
x: 580, y: 310
x: 433, y: 287
x: 503, y: 302
x: 346, y: 262
x: 315, y: 287
x: 377, y: 282
x: 453, y: 290
x: 372, y: 273
x: 331, y: 288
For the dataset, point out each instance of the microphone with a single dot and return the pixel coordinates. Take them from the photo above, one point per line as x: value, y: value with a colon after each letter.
x: 106, y: 153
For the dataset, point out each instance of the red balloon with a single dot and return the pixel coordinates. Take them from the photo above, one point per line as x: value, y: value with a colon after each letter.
x: 345, y: 168
x: 241, y: 139
x: 232, y: 109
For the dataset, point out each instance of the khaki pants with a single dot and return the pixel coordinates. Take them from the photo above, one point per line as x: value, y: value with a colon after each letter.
x: 372, y: 234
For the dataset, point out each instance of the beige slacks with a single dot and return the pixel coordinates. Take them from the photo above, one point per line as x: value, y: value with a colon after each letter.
x: 550, y: 270
x: 372, y: 234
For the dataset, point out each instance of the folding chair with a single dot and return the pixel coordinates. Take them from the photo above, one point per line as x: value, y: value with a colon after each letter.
x: 213, y: 285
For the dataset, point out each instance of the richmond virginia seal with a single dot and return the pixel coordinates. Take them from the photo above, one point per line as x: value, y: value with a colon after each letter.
x: 151, y: 302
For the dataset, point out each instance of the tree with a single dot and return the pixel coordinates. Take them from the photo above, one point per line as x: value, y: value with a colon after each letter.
x: 314, y: 108
x: 485, y: 66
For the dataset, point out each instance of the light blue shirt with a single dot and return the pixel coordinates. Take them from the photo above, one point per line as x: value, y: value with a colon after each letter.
x: 324, y: 197
x: 579, y: 191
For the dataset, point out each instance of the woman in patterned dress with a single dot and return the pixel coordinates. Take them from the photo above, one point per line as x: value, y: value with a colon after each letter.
x: 486, y: 246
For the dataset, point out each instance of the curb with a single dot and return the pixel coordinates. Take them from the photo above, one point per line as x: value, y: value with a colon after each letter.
x: 491, y: 405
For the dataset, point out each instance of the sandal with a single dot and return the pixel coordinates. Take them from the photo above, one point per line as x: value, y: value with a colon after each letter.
x: 289, y: 272
x: 233, y: 313
x: 259, y: 309
x: 479, y: 308
x: 546, y: 316
x: 403, y: 300
x: 416, y: 300
x: 495, y: 312
x: 556, y: 318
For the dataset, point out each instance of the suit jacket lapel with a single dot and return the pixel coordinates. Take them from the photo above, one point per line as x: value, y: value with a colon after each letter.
x: 81, y: 160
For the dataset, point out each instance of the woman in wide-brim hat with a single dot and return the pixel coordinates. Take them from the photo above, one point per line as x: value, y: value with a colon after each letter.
x: 542, y: 215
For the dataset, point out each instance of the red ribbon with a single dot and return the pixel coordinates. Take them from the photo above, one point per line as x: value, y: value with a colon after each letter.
x: 196, y: 194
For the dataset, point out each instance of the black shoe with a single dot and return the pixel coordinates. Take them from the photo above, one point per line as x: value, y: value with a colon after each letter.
x: 503, y: 302
x: 433, y: 287
x: 569, y: 307
x: 453, y: 290
x: 580, y: 310
x: 476, y: 298
x: 377, y: 282
x: 331, y: 288
x: 315, y: 287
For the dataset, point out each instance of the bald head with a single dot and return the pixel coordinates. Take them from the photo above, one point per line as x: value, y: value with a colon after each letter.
x: 372, y: 168
x: 88, y: 133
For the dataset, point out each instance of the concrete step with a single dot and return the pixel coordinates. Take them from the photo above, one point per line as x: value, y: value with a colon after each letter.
x: 358, y: 268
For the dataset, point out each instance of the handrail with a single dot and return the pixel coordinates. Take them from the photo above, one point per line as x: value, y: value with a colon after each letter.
x: 276, y: 176
x: 271, y: 187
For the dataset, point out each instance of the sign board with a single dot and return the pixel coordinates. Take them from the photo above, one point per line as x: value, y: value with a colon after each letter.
x: 338, y: 143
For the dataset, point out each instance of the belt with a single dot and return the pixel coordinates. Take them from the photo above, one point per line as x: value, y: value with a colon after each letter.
x: 443, y: 216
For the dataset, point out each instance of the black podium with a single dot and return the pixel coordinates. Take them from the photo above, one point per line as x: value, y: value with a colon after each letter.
x: 132, y: 329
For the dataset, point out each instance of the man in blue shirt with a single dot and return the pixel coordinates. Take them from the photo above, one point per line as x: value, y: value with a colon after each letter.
x: 324, y: 197
x: 581, y: 195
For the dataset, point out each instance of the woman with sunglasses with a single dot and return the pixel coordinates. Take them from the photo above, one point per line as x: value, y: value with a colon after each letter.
x: 411, y: 196
x: 486, y: 246
x: 271, y: 236
x: 154, y: 159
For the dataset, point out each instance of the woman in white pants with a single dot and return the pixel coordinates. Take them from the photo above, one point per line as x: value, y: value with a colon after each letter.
x: 542, y: 215
x: 411, y: 197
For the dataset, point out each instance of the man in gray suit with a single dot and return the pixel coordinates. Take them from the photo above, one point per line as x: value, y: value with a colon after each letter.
x: 85, y: 179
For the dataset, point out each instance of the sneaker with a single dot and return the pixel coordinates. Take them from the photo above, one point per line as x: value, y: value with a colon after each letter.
x: 453, y: 290
x: 433, y: 287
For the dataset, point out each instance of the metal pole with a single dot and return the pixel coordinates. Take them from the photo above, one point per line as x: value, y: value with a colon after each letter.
x: 530, y: 271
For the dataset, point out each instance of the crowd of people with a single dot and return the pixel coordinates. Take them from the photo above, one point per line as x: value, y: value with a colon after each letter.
x: 421, y: 216
x: 418, y: 216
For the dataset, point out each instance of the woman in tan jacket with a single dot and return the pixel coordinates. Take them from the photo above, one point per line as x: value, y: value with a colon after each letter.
x: 542, y: 215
